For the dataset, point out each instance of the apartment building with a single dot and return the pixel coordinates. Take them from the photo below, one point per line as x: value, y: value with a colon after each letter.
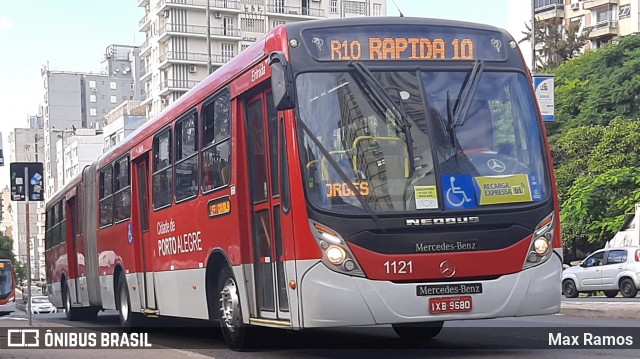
x: 604, y: 19
x: 175, y: 52
x: 6, y: 224
x: 75, y: 100
x: 76, y: 151
x: 121, y: 122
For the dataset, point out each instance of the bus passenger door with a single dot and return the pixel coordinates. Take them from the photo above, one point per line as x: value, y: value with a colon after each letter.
x: 261, y: 118
x: 140, y: 223
x: 73, y: 257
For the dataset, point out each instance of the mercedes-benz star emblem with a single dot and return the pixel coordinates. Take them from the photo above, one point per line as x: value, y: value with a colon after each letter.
x: 447, y: 268
x: 496, y: 165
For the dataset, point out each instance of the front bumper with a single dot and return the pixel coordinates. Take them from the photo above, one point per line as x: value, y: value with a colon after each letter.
x: 333, y: 299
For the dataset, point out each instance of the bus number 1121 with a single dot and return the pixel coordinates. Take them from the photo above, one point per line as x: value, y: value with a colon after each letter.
x: 398, y: 267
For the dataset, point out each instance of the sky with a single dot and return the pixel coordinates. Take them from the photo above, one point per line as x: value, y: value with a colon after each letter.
x: 72, y: 35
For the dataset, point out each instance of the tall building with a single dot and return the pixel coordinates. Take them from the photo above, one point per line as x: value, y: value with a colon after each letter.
x: 6, y: 225
x: 74, y: 100
x: 122, y: 121
x: 604, y: 19
x: 26, y: 145
x: 175, y: 51
x: 78, y: 150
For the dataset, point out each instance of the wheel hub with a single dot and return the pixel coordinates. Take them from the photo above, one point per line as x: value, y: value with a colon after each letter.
x: 229, y: 305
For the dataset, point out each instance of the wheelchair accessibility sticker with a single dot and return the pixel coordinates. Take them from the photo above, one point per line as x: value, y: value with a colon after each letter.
x: 458, y: 191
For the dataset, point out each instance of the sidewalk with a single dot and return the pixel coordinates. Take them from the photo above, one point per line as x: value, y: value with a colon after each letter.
x: 626, y: 310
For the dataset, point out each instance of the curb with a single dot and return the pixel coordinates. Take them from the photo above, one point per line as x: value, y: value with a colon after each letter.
x: 624, y: 310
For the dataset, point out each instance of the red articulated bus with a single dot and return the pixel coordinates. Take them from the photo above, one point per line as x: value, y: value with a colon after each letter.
x: 338, y: 172
x: 7, y: 287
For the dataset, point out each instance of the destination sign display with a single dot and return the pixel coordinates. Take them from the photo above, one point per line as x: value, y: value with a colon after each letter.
x: 372, y: 43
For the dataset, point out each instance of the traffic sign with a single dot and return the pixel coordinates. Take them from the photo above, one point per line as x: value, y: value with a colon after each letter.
x: 27, y: 182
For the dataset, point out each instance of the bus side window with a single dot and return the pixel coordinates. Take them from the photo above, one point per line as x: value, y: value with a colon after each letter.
x: 216, y: 143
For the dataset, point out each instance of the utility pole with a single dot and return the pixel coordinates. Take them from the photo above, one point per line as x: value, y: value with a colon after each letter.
x: 208, y: 39
x: 28, y: 233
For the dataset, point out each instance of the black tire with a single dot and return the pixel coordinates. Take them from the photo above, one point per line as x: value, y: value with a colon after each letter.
x: 72, y: 314
x: 237, y: 334
x: 123, y: 303
x: 569, y: 289
x: 628, y: 288
x: 610, y: 293
x: 418, y: 331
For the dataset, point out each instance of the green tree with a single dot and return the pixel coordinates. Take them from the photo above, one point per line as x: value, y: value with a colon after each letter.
x: 6, y: 252
x: 555, y: 42
x: 596, y: 206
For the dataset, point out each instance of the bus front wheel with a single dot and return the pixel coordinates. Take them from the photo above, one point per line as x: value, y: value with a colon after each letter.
x: 235, y: 332
x: 418, y: 331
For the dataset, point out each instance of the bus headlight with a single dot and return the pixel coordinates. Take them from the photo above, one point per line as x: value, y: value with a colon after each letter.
x: 540, y: 248
x: 336, y: 255
x: 335, y: 251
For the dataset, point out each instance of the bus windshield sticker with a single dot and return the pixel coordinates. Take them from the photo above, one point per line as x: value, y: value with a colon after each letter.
x: 372, y: 43
x: 536, y: 190
x: 426, y: 197
x: 458, y: 192
x: 503, y: 189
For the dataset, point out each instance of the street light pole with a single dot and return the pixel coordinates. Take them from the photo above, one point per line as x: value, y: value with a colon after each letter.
x: 208, y: 39
x: 533, y: 36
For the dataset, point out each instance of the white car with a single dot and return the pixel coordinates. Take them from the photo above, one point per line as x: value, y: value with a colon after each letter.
x: 611, y: 270
x: 41, y: 304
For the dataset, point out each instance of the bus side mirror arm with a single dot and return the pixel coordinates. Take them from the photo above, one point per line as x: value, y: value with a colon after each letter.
x: 281, y: 81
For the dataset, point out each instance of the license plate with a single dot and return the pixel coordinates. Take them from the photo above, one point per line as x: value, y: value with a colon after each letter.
x: 450, y: 304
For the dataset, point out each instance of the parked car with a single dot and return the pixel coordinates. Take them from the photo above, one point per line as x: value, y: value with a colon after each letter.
x: 41, y: 304
x: 610, y: 270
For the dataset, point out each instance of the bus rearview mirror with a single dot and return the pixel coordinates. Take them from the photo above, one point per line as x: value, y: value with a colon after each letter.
x: 281, y: 82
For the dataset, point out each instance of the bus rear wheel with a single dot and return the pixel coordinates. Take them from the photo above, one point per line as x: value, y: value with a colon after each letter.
x: 418, y: 331
x: 128, y: 319
x: 72, y: 314
x: 235, y: 332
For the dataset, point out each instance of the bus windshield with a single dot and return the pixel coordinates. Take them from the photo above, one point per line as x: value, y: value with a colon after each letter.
x: 492, y: 156
x: 6, y: 283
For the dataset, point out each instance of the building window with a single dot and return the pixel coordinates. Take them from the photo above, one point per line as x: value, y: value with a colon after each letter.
x: 216, y: 146
x: 162, y: 175
x: 333, y: 7
x: 121, y: 190
x: 228, y: 51
x: 355, y: 7
x: 244, y: 47
x: 92, y: 84
x: 131, y: 86
x: 279, y: 6
x: 113, y: 85
x: 186, y: 135
x: 106, y: 196
x: 114, y: 99
x: 228, y: 25
x: 253, y: 25
x: 377, y: 9
x: 277, y: 23
x: 92, y: 98
x: 624, y: 12
x: 93, y: 112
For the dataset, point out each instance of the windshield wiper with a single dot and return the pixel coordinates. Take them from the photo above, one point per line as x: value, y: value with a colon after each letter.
x: 385, y: 104
x: 458, y: 115
x: 343, y: 176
